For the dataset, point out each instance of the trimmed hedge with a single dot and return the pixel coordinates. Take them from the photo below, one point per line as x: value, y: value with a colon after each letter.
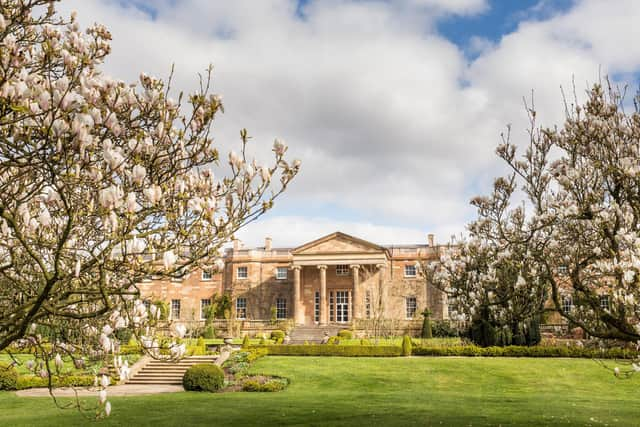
x: 345, y: 334
x: 203, y: 377
x: 277, y: 335
x: 332, y: 350
x: 462, y: 350
x: 32, y: 381
x: 8, y: 377
x: 274, y: 384
x: 523, y: 351
x: 406, y: 346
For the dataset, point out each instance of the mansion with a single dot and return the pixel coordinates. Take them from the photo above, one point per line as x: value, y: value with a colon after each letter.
x: 337, y: 280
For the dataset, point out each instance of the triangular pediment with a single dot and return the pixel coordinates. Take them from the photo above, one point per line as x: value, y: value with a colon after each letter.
x: 338, y: 243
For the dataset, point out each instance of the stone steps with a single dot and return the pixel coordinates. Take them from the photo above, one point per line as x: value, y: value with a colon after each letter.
x: 163, y: 372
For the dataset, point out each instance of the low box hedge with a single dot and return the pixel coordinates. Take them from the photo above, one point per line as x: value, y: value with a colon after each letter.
x: 332, y: 350
x: 523, y: 351
x: 32, y: 381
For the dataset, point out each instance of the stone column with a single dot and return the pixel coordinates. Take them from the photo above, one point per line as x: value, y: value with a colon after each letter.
x: 383, y: 289
x: 324, y: 306
x: 355, y: 294
x: 298, y: 315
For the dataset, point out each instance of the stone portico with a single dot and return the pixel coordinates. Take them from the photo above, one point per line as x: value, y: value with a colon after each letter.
x: 327, y: 284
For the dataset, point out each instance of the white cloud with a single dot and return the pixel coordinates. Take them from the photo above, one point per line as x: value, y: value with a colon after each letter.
x: 461, y: 7
x: 389, y: 118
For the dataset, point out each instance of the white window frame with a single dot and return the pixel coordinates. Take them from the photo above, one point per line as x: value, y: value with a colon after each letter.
x: 605, y: 302
x: 206, y: 275
x: 174, y: 310
x: 281, y: 308
x: 280, y: 271
x: 203, y: 307
x: 408, y: 268
x: 567, y: 304
x: 410, y: 309
x: 367, y: 304
x: 342, y: 270
x: 245, y: 271
x: 241, y: 308
x: 563, y: 270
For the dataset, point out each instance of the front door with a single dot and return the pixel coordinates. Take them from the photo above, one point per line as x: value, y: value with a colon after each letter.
x: 342, y: 306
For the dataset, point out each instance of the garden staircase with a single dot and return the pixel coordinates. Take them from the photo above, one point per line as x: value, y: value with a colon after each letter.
x: 167, y: 372
x: 311, y: 334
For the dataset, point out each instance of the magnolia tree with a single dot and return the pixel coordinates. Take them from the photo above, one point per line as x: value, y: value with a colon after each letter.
x: 102, y: 183
x: 492, y: 287
x: 580, y: 237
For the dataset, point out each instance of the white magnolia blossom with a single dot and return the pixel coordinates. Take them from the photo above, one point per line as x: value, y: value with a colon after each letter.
x: 575, y: 237
x: 103, y: 183
x: 169, y: 259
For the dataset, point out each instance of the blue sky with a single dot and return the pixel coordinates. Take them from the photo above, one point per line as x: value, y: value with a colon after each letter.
x: 394, y: 106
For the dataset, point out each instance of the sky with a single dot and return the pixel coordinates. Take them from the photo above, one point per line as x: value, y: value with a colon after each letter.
x: 394, y: 107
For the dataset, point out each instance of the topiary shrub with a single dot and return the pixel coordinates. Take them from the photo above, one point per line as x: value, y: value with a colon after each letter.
x: 345, y: 334
x: 482, y: 333
x: 426, y: 324
x: 406, y: 346
x: 277, y: 335
x: 245, y: 341
x: 123, y: 334
x: 203, y: 377
x: 8, y: 377
x: 209, y: 332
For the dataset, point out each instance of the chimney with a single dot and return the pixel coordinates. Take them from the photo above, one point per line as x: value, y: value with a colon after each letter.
x: 236, y: 245
x: 430, y: 239
x: 267, y: 244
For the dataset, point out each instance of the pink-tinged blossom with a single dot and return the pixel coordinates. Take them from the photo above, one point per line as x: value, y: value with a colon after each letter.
x: 279, y: 147
x: 153, y: 194
x: 169, y: 259
x: 138, y: 174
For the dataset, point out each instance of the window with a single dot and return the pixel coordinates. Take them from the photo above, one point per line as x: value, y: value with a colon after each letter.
x: 147, y: 305
x: 175, y: 309
x: 242, y: 273
x: 567, y: 304
x: 281, y: 273
x: 206, y: 275
x: 330, y: 306
x: 411, y: 306
x: 342, y: 270
x: 410, y: 270
x: 367, y: 304
x: 241, y: 308
x: 204, y: 305
x: 281, y: 308
x: 604, y: 302
x: 563, y: 269
x: 316, y: 311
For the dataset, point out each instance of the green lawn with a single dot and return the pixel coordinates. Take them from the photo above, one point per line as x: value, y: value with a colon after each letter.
x: 393, y: 391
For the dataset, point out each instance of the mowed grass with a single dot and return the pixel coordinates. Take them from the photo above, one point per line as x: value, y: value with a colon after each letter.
x: 390, y: 391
